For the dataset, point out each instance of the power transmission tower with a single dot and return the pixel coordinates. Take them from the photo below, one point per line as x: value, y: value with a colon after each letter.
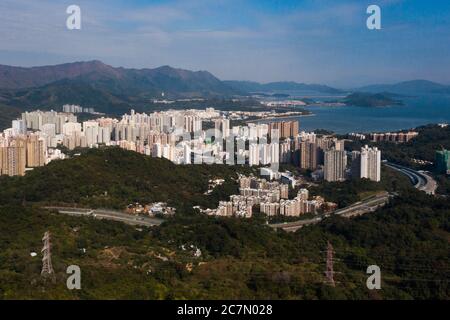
x: 329, y: 272
x: 47, y: 268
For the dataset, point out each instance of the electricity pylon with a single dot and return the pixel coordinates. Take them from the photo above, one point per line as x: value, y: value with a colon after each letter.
x: 329, y: 272
x: 47, y: 268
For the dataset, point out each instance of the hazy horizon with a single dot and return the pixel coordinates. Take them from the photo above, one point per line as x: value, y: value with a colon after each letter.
x: 306, y: 41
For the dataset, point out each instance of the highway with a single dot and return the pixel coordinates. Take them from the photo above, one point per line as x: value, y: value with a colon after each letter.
x: 420, y: 179
x: 109, y: 215
x: 367, y: 205
x: 294, y: 226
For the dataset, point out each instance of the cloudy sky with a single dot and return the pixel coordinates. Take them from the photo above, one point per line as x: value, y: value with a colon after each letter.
x: 312, y: 41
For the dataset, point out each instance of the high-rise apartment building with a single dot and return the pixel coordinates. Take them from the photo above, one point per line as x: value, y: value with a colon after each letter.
x: 308, y: 155
x: 265, y: 152
x: 285, y: 151
x: 35, y: 151
x: 286, y: 129
x: 192, y: 123
x: 3, y: 160
x: 442, y: 162
x: 13, y: 157
x: 326, y: 143
x: 223, y: 126
x: 356, y: 164
x: 370, y: 163
x: 253, y: 154
x: 335, y: 165
x: 19, y: 126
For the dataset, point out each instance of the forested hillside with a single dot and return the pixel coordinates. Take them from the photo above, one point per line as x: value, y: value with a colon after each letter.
x: 241, y: 259
x: 112, y: 177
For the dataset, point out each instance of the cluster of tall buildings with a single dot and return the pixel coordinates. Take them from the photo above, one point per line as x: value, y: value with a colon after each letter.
x: 19, y: 152
x: 307, y: 150
x: 178, y: 135
x: 286, y: 129
x: 364, y: 164
x: 323, y: 155
x: 88, y: 134
x: 252, y: 192
x: 37, y: 120
x: 72, y: 108
x: 181, y: 137
x: 272, y: 198
x: 62, y: 128
x: 298, y: 206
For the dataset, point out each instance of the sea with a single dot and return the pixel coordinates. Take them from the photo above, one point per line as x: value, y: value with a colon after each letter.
x: 416, y: 111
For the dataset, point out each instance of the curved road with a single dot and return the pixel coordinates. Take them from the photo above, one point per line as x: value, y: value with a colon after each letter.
x: 109, y: 215
x: 367, y: 205
x: 421, y: 180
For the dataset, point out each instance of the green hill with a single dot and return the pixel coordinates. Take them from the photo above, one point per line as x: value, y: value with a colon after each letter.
x: 54, y: 95
x: 361, y: 99
x: 240, y: 259
x: 412, y: 87
x: 107, y: 89
x: 174, y: 82
x: 113, y: 178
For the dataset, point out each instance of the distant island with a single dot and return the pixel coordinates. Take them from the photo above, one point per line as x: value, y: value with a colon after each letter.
x: 362, y: 99
x: 412, y: 87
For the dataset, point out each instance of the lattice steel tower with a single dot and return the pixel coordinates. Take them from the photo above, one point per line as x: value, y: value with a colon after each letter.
x: 329, y: 273
x: 47, y: 268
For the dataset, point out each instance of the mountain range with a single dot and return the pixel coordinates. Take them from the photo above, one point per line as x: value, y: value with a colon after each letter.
x: 100, y: 76
x: 174, y: 82
x: 95, y: 84
x: 408, y: 87
x: 115, y: 90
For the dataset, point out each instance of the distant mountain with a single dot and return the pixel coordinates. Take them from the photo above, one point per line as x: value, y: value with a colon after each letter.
x: 363, y: 99
x: 120, y: 81
x: 249, y: 86
x: 19, y: 77
x: 56, y: 94
x: 94, y: 84
x: 7, y: 113
x: 408, y: 87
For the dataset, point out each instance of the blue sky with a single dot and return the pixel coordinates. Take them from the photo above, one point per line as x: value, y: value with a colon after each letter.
x: 312, y: 41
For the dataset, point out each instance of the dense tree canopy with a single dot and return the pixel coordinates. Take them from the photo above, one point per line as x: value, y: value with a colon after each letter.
x: 240, y: 258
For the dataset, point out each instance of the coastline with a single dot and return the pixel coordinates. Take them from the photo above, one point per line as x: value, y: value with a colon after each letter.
x: 281, y: 118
